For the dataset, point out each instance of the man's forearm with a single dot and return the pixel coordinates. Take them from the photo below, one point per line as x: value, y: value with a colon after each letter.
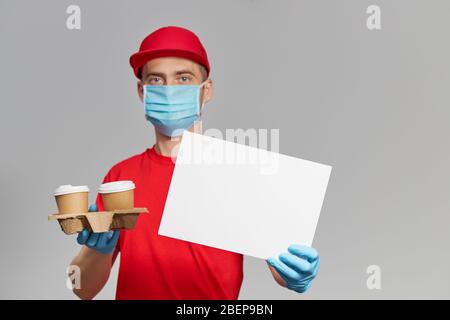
x: 94, y: 272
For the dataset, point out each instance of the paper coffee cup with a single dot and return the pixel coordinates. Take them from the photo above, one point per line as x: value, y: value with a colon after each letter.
x: 117, y: 195
x: 72, y: 199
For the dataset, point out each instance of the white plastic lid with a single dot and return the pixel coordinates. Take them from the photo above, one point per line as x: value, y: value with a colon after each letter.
x: 68, y: 188
x: 116, y: 186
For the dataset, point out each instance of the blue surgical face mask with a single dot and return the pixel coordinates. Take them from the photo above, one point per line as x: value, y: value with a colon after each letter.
x: 172, y: 109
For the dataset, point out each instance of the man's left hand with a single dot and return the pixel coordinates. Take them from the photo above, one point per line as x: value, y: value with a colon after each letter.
x: 298, y: 267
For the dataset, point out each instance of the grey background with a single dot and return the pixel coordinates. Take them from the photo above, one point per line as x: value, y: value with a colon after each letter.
x: 373, y: 104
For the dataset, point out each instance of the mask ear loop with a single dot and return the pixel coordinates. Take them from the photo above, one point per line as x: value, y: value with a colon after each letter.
x: 203, y: 104
x: 199, y: 122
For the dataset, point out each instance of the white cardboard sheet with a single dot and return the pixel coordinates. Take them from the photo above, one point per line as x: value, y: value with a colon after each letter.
x: 242, y: 199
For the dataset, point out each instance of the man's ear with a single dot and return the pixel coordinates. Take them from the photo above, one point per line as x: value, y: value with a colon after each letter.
x: 140, y: 89
x: 207, y: 91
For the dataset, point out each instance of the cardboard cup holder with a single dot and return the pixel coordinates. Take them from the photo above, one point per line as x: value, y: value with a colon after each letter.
x: 101, y: 221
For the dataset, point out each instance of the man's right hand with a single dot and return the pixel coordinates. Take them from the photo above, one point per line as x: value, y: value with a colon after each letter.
x: 103, y: 242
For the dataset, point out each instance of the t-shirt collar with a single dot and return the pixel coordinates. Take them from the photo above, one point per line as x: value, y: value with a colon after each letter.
x: 155, y: 156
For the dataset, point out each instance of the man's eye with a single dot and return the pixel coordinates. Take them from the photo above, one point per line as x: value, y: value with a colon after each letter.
x: 184, y: 79
x: 154, y: 80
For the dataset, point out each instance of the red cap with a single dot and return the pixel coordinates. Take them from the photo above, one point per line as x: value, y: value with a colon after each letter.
x: 170, y: 42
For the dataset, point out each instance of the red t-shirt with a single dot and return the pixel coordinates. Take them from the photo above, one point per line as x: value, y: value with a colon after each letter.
x: 159, y: 267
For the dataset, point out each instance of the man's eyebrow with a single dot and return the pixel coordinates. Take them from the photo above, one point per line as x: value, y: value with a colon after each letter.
x: 162, y: 75
x: 158, y: 74
x: 184, y: 72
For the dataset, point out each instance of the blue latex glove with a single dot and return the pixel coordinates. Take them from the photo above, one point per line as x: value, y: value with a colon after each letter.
x: 298, y: 267
x: 103, y: 242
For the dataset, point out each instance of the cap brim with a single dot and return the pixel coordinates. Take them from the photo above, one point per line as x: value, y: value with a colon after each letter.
x: 139, y: 59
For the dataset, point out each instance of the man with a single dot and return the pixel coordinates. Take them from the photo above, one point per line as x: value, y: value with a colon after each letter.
x: 173, y: 71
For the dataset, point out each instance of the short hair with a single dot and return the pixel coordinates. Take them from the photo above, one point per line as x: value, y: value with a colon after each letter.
x: 203, y: 72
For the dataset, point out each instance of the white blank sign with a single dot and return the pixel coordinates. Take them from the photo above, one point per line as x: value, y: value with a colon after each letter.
x: 242, y: 199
